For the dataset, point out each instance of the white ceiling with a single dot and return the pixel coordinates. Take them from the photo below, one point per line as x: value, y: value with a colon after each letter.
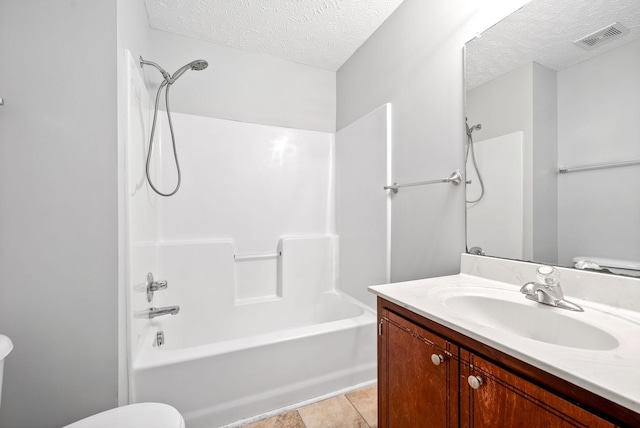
x: 319, y: 33
x: 543, y: 31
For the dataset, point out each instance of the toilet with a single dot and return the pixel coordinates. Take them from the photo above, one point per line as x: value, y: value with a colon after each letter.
x: 5, y: 347
x: 623, y: 267
x: 141, y: 415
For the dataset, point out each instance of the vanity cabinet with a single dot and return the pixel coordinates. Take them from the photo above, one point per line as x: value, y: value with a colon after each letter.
x: 423, y: 381
x: 499, y: 398
x: 419, y: 383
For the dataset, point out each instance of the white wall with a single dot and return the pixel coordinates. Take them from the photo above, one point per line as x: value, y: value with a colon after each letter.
x: 244, y: 86
x: 414, y: 61
x: 495, y: 222
x: 363, y: 207
x: 598, y: 105
x: 58, y: 222
x: 251, y: 183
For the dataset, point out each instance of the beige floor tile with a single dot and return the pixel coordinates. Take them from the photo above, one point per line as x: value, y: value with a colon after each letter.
x: 366, y: 402
x: 286, y: 420
x: 335, y: 412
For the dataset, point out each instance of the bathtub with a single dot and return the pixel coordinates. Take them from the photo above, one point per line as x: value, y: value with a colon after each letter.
x: 228, y: 359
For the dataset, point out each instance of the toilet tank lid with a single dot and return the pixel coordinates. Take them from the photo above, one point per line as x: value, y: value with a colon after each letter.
x: 5, y: 346
x: 155, y: 415
x: 610, y: 263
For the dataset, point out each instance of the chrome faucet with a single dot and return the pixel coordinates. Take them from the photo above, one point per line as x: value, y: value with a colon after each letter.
x: 548, y: 290
x: 167, y: 310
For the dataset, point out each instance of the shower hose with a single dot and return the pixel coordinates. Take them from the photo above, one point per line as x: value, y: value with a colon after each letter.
x: 164, y: 84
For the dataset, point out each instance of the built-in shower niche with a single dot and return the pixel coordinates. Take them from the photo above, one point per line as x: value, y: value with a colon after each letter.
x: 300, y: 267
x: 258, y: 277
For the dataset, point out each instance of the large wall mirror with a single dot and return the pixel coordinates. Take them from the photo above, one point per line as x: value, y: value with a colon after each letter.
x: 553, y: 141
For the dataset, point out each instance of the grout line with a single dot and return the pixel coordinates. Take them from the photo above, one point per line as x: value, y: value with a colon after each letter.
x: 357, y: 410
x: 300, y: 417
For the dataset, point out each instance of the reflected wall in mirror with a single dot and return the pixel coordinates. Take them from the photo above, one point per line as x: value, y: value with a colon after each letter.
x: 545, y: 96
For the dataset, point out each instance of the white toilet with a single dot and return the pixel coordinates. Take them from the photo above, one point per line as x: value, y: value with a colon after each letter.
x: 623, y: 267
x: 142, y: 415
x: 5, y: 347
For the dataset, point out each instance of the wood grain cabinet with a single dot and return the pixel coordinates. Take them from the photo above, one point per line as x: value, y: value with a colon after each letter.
x: 427, y: 379
x: 419, y: 383
x: 499, y: 398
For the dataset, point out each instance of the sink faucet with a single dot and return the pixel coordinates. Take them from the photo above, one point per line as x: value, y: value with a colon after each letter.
x: 548, y: 290
x: 167, y: 310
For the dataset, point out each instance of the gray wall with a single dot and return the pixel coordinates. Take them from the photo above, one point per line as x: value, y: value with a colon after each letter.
x: 133, y: 35
x: 414, y: 61
x: 58, y: 217
x: 545, y: 165
x: 244, y: 86
x: 598, y: 104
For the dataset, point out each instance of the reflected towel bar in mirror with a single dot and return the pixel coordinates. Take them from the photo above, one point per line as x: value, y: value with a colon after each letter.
x: 597, y: 166
x: 455, y: 178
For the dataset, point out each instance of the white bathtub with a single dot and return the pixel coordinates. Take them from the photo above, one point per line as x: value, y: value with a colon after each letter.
x: 227, y: 360
x: 214, y: 384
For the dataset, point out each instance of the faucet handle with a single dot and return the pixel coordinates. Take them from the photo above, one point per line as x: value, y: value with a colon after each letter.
x: 548, y: 275
x: 153, y: 286
x: 160, y: 284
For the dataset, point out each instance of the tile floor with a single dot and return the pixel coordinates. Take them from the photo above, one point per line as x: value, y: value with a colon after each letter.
x: 357, y: 409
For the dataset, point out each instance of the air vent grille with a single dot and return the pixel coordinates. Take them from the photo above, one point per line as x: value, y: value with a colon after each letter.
x: 604, y: 35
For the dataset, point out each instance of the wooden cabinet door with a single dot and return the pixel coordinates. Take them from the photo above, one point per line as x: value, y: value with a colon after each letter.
x: 506, y: 400
x: 415, y: 391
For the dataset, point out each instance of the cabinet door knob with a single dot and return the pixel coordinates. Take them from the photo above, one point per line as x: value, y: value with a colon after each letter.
x: 474, y: 381
x: 437, y: 359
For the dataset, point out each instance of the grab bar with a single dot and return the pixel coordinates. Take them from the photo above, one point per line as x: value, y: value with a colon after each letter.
x: 598, y: 166
x: 455, y: 178
x: 237, y: 257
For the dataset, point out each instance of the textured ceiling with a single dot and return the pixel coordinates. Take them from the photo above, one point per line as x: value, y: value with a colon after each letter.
x: 543, y: 31
x: 320, y: 33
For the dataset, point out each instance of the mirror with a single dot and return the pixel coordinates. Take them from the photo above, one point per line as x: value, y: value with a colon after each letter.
x: 553, y: 142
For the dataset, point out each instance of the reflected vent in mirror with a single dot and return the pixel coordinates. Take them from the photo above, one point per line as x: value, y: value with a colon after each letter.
x: 607, y: 34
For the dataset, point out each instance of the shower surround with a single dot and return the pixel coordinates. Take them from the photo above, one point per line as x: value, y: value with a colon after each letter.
x: 251, y: 252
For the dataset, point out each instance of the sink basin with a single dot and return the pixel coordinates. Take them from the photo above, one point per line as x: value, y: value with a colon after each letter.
x: 509, y: 311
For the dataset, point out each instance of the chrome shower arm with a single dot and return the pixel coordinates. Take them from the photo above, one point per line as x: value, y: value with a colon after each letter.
x: 166, y: 75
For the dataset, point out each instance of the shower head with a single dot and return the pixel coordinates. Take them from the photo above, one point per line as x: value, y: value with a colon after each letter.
x: 199, y: 64
x: 474, y: 127
x: 196, y: 65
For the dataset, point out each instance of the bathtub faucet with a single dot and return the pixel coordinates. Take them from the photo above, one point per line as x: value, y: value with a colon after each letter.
x: 167, y: 310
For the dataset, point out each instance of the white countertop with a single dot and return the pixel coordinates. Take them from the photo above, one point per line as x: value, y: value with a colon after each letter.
x: 613, y: 374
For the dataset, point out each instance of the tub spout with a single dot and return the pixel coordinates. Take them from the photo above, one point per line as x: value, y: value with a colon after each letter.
x: 167, y: 310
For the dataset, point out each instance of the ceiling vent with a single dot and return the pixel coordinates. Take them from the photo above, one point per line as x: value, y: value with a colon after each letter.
x: 607, y: 34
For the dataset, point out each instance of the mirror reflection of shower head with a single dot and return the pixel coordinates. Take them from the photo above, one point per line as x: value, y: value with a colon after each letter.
x: 474, y: 127
x: 470, y: 148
